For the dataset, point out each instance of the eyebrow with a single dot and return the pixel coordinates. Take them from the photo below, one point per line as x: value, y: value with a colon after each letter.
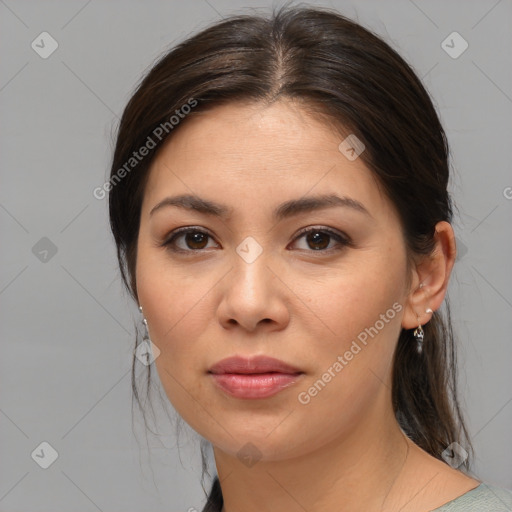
x: 283, y: 211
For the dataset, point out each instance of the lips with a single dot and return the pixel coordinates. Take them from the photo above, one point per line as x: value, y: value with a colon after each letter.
x: 255, y: 378
x: 254, y: 365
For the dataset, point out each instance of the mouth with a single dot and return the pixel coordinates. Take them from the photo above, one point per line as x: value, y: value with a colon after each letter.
x: 256, y: 378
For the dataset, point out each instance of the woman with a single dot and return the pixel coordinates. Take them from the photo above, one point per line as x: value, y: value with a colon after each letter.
x: 278, y: 198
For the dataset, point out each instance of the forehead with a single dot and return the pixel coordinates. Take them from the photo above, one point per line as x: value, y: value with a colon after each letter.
x: 238, y: 129
x: 258, y: 152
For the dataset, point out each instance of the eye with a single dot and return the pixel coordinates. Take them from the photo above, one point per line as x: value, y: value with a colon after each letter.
x: 319, y: 239
x: 195, y: 240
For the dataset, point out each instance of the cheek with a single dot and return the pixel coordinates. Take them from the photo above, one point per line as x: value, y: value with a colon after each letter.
x: 171, y: 308
x: 351, y: 298
x: 178, y: 307
x: 168, y: 292
x: 358, y: 319
x: 352, y: 362
x: 161, y: 296
x: 177, y: 312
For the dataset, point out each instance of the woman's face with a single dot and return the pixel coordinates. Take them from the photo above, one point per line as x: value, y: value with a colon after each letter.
x: 328, y: 302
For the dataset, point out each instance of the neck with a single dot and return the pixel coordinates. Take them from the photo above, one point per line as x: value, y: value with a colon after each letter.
x: 357, y: 472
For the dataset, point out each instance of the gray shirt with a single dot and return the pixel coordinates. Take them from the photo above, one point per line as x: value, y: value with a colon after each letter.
x: 484, y: 498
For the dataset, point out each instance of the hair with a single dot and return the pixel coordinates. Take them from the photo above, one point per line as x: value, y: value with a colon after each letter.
x: 357, y: 83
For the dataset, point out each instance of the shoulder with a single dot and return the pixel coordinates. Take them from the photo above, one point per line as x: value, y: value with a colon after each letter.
x: 483, y: 498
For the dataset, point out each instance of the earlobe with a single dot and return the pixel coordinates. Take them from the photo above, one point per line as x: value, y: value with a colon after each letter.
x: 433, y: 274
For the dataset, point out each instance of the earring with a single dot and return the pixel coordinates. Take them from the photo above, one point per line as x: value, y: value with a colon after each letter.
x: 418, y: 332
x: 418, y: 336
x: 146, y: 351
x: 145, y: 337
x: 145, y: 322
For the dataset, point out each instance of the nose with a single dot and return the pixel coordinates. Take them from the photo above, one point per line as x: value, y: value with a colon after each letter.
x: 253, y: 296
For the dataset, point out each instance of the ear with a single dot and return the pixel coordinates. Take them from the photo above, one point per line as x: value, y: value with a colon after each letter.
x: 430, y: 278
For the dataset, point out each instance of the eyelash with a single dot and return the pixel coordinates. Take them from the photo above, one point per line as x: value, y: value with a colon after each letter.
x: 342, y: 239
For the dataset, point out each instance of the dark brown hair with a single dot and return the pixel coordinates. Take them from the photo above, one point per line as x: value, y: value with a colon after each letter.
x: 358, y: 84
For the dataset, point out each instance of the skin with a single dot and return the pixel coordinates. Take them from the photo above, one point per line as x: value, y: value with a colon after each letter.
x: 344, y: 449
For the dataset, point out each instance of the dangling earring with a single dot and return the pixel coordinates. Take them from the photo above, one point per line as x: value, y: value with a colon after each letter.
x: 419, y: 333
x: 418, y: 336
x: 146, y: 351
x: 145, y: 338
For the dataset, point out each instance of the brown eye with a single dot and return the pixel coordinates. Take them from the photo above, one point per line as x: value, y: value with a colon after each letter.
x: 194, y: 240
x: 319, y: 239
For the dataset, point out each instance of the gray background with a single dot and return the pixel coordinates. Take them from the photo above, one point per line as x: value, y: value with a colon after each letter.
x: 67, y: 327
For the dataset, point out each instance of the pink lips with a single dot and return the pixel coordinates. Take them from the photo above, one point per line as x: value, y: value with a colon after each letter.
x: 258, y: 377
